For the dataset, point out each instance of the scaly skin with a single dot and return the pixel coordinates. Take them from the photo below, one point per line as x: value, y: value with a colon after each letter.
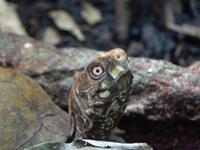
x: 99, y: 95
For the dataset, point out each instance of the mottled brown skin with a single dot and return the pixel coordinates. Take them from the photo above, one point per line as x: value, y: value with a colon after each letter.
x: 99, y: 95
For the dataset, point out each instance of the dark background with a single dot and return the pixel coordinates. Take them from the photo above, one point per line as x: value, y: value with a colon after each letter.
x: 138, y: 26
x: 142, y: 28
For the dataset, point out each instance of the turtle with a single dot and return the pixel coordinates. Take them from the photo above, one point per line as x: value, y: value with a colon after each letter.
x: 99, y: 95
x: 27, y: 114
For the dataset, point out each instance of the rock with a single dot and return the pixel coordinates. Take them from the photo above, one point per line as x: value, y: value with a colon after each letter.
x: 27, y: 114
x: 85, y: 144
x: 53, y: 69
x: 161, y: 90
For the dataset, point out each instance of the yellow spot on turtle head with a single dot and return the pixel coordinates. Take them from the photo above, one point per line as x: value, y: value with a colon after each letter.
x: 115, y: 72
x: 104, y: 94
x: 103, y: 85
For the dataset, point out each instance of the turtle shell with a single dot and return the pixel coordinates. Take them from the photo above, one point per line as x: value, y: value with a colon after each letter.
x: 27, y: 114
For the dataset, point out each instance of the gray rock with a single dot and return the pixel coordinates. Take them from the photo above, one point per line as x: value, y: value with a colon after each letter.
x: 86, y: 144
x: 161, y: 90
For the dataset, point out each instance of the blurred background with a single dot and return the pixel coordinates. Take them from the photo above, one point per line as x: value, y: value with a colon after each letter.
x: 159, y: 29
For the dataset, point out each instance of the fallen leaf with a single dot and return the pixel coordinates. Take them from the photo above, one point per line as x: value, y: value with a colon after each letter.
x: 66, y: 22
x: 91, y: 14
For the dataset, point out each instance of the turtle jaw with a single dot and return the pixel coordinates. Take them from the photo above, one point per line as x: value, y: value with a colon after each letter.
x: 118, y: 73
x: 120, y: 66
x: 118, y: 86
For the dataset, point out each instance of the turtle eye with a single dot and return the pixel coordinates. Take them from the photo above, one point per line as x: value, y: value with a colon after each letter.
x: 97, y: 71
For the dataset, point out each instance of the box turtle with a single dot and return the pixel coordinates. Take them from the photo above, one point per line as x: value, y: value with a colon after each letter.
x: 99, y: 95
x: 27, y: 114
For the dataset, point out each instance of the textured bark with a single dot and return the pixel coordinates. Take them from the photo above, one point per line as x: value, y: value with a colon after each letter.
x: 161, y: 90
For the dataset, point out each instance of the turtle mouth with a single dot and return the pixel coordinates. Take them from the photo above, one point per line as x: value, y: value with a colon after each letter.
x: 117, y: 71
x: 120, y: 83
x: 124, y: 78
x: 119, y: 77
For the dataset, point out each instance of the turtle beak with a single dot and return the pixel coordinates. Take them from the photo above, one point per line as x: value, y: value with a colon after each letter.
x: 118, y: 70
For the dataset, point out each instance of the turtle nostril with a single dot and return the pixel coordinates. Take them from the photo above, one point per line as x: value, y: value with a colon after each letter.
x: 121, y: 58
x: 118, y: 56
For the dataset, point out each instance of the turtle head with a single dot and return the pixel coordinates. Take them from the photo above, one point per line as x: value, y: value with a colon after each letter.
x: 110, y: 72
x: 101, y: 89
